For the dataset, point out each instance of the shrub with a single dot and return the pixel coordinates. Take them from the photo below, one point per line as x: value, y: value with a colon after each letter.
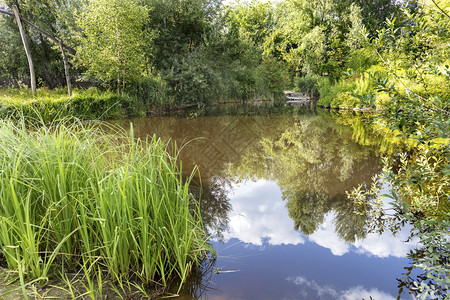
x: 361, y: 60
x: 192, y: 79
x: 52, y: 105
x: 150, y: 91
x: 330, y: 94
x: 272, y: 76
x: 308, y: 84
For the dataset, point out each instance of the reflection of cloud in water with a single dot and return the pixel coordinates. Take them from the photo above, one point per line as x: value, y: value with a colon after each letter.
x: 259, y: 215
x: 327, y: 237
x: 309, y: 287
x: 378, y: 245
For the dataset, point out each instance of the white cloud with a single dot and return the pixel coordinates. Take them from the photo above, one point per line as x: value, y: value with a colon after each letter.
x: 358, y: 293
x: 326, y: 237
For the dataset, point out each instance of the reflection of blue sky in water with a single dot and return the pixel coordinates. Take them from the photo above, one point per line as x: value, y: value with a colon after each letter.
x: 312, y: 289
x: 260, y: 217
x: 277, y: 262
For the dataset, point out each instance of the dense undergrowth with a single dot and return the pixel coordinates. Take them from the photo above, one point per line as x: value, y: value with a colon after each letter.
x: 75, y: 199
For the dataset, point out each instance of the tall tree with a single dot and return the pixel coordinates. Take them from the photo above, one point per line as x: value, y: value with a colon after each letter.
x: 375, y: 12
x: 111, y: 47
x: 46, y: 57
x: 177, y: 27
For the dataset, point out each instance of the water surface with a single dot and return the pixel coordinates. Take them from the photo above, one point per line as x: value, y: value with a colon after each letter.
x: 273, y: 197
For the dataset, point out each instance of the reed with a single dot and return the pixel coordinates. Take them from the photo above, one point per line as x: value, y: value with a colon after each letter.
x: 73, y: 198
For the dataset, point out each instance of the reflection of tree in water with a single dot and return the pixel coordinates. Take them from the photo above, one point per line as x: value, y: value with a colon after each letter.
x: 314, y: 161
x: 215, y: 207
x: 349, y: 224
x: 307, y: 209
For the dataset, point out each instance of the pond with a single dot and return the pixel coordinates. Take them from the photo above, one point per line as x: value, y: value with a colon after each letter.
x: 273, y: 197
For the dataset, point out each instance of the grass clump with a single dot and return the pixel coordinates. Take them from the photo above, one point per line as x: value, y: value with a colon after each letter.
x: 74, y: 198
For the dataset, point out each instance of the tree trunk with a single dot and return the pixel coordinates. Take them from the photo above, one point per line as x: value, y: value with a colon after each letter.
x: 66, y: 69
x: 27, y: 50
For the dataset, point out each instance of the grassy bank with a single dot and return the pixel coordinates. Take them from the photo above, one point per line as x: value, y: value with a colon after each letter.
x: 73, y: 198
x: 52, y: 105
x: 141, y: 98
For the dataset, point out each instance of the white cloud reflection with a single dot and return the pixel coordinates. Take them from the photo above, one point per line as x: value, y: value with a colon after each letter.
x: 383, y: 245
x: 259, y: 216
x: 308, y: 287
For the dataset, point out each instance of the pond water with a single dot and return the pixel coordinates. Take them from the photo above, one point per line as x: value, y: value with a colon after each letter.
x: 273, y: 197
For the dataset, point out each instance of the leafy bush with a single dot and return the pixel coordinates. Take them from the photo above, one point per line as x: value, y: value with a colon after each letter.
x: 192, y: 79
x: 308, y: 84
x: 329, y: 93
x: 361, y: 60
x: 150, y: 91
x: 51, y: 105
x: 272, y: 76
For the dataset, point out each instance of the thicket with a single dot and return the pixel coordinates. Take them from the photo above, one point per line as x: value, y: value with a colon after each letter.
x: 151, y: 53
x: 52, y: 105
x: 411, y: 94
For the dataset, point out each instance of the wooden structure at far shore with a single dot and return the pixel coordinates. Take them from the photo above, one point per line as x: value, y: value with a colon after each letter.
x: 298, y: 99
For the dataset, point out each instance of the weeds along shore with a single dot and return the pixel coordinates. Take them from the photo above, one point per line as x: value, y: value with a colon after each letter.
x: 75, y: 198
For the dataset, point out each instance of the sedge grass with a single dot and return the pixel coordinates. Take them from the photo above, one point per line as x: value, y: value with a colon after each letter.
x: 74, y: 198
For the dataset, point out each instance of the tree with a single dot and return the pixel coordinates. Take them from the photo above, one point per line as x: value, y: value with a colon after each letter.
x: 111, y: 47
x: 178, y: 27
x: 309, y: 35
x: 47, y: 15
x: 251, y: 21
x: 375, y: 12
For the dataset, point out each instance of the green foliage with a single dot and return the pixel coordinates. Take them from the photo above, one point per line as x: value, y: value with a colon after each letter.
x: 47, y: 15
x: 375, y: 12
x: 53, y: 105
x: 272, y: 76
x: 433, y: 258
x: 150, y: 92
x: 73, y: 197
x: 176, y: 29
x: 251, y: 21
x: 424, y: 210
x: 193, y: 80
x: 414, y: 62
x: 354, y: 38
x: 335, y: 95
x: 308, y: 84
x: 111, y: 47
x: 361, y: 60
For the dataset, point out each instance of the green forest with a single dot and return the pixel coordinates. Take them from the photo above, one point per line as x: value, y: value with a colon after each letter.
x: 143, y: 54
x: 388, y: 59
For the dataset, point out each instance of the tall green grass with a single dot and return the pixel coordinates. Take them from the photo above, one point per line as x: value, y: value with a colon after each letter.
x: 73, y: 197
x: 52, y: 105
